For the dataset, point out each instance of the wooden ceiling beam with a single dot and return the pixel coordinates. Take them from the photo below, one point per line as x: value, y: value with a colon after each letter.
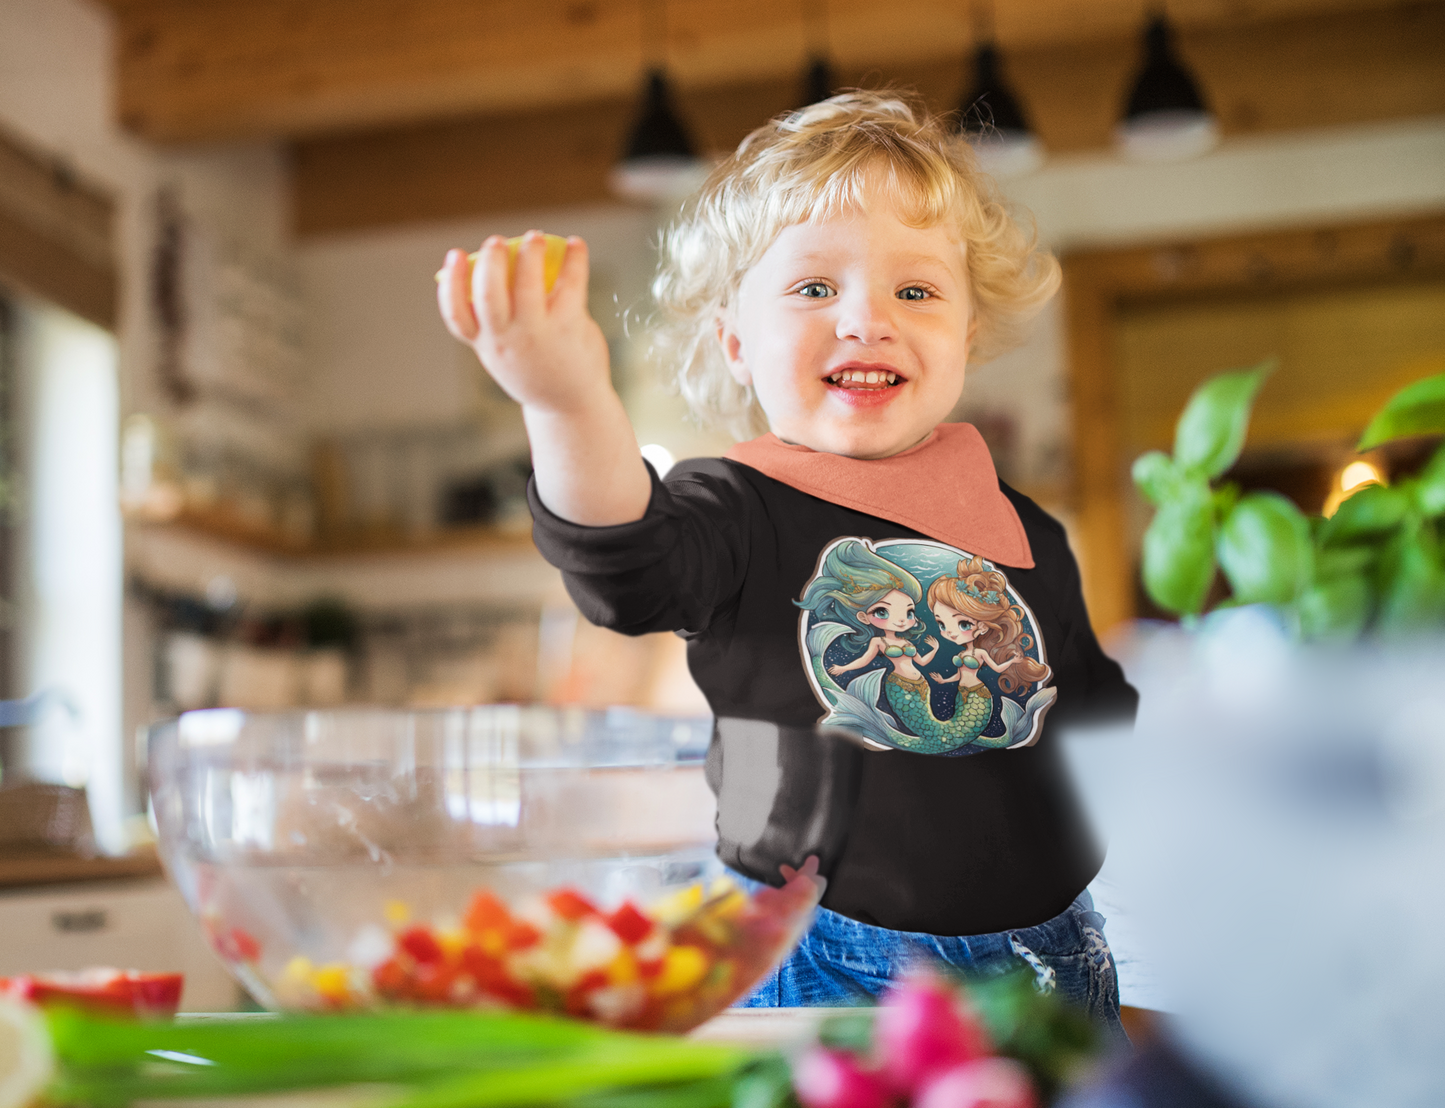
x: 229, y: 69
x: 1347, y: 68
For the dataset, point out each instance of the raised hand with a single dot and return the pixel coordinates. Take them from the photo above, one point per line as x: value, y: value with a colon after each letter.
x: 542, y: 348
x: 549, y: 355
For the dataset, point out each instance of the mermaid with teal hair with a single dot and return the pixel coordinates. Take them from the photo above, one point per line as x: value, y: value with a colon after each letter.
x: 857, y: 586
x: 870, y: 604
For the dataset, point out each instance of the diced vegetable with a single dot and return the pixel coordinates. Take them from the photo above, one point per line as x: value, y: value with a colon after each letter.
x: 120, y: 992
x: 664, y: 966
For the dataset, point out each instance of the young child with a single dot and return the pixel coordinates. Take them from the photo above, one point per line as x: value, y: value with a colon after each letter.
x: 829, y: 284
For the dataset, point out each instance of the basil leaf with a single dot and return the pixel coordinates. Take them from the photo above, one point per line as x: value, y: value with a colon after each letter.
x: 1371, y: 511
x: 1156, y: 477
x: 1430, y: 487
x: 1343, y: 561
x: 1264, y: 549
x: 1210, y: 433
x: 1417, y: 409
x: 1335, y: 609
x: 1179, y: 551
x: 1414, y: 589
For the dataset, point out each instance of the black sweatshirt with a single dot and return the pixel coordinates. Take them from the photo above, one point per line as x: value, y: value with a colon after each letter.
x: 947, y: 845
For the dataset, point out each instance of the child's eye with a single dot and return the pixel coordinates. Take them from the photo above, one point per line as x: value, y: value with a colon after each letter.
x: 815, y: 290
x: 914, y: 292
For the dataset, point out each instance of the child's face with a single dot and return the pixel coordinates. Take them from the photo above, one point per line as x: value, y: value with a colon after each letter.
x: 893, y: 612
x: 853, y: 332
x: 953, y: 625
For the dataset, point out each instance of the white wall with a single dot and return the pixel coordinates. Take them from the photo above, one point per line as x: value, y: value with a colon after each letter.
x: 380, y: 358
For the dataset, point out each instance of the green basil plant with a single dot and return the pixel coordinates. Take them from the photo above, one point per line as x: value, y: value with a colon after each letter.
x: 1376, y: 566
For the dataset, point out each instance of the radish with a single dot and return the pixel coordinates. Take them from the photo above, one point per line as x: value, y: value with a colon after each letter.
x: 832, y: 1079
x: 921, y: 1031
x: 981, y: 1083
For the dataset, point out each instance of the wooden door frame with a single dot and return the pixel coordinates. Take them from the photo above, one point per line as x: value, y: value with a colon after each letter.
x: 1099, y: 283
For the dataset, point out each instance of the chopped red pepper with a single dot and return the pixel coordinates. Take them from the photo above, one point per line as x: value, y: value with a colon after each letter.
x: 522, y: 935
x: 434, y: 982
x: 421, y: 944
x: 571, y: 905
x: 486, y: 912
x: 629, y: 924
x: 246, y: 948
x: 391, y: 978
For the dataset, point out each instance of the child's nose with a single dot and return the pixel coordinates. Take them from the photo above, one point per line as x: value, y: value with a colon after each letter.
x: 865, y: 317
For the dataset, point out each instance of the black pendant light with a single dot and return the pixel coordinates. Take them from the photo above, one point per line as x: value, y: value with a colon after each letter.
x: 1166, y: 117
x: 993, y: 121
x: 659, y: 161
x: 989, y: 114
x: 818, y: 79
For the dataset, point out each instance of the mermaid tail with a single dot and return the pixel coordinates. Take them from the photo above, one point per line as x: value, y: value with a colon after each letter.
x: 1021, y: 724
x: 910, y: 702
x: 855, y: 709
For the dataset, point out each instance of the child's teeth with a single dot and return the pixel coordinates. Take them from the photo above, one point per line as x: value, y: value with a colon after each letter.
x: 863, y: 377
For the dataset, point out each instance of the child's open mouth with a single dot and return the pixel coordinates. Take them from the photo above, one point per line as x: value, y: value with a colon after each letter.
x: 864, y: 379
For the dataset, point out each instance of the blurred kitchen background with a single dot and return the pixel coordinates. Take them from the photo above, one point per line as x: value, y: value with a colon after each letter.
x: 243, y: 464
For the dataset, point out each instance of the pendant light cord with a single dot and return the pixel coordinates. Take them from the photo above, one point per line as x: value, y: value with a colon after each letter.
x: 816, y: 31
x: 652, y: 16
x: 979, y: 17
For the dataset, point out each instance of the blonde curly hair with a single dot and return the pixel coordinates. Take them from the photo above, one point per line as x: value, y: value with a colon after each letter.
x: 815, y: 163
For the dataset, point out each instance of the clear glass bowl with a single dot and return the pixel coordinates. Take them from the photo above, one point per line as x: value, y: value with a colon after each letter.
x: 552, y: 859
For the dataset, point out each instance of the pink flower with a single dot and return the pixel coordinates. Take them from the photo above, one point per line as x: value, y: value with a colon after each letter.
x: 921, y: 1031
x: 832, y: 1079
x: 981, y: 1083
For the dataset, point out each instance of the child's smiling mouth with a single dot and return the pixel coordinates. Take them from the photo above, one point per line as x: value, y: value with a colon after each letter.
x: 864, y: 377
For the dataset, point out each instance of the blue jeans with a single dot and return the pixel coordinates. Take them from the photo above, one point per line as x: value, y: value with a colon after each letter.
x: 843, y: 962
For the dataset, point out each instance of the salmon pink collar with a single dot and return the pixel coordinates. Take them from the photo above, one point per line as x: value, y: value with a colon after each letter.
x: 945, y: 487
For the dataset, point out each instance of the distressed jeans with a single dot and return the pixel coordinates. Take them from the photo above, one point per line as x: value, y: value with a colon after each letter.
x: 843, y: 962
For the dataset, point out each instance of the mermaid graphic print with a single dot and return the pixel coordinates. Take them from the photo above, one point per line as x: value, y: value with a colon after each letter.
x: 872, y: 618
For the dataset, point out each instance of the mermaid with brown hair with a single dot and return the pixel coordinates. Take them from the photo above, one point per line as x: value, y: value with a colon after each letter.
x: 974, y: 610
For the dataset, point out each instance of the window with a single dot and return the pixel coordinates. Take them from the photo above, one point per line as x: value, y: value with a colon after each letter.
x: 65, y: 553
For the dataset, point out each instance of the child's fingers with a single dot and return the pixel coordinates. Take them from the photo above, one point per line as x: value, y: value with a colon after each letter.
x: 454, y: 298
x: 571, y: 287
x: 528, y: 290
x: 490, y: 295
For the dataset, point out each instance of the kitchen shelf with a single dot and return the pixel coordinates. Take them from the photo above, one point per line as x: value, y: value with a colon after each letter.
x: 237, y: 531
x: 56, y: 869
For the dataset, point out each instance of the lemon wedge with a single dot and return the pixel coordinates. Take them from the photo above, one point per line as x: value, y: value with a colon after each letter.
x: 554, y: 250
x: 26, y: 1059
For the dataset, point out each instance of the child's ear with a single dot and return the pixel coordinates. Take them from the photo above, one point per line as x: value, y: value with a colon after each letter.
x: 732, y: 350
x: 862, y: 617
